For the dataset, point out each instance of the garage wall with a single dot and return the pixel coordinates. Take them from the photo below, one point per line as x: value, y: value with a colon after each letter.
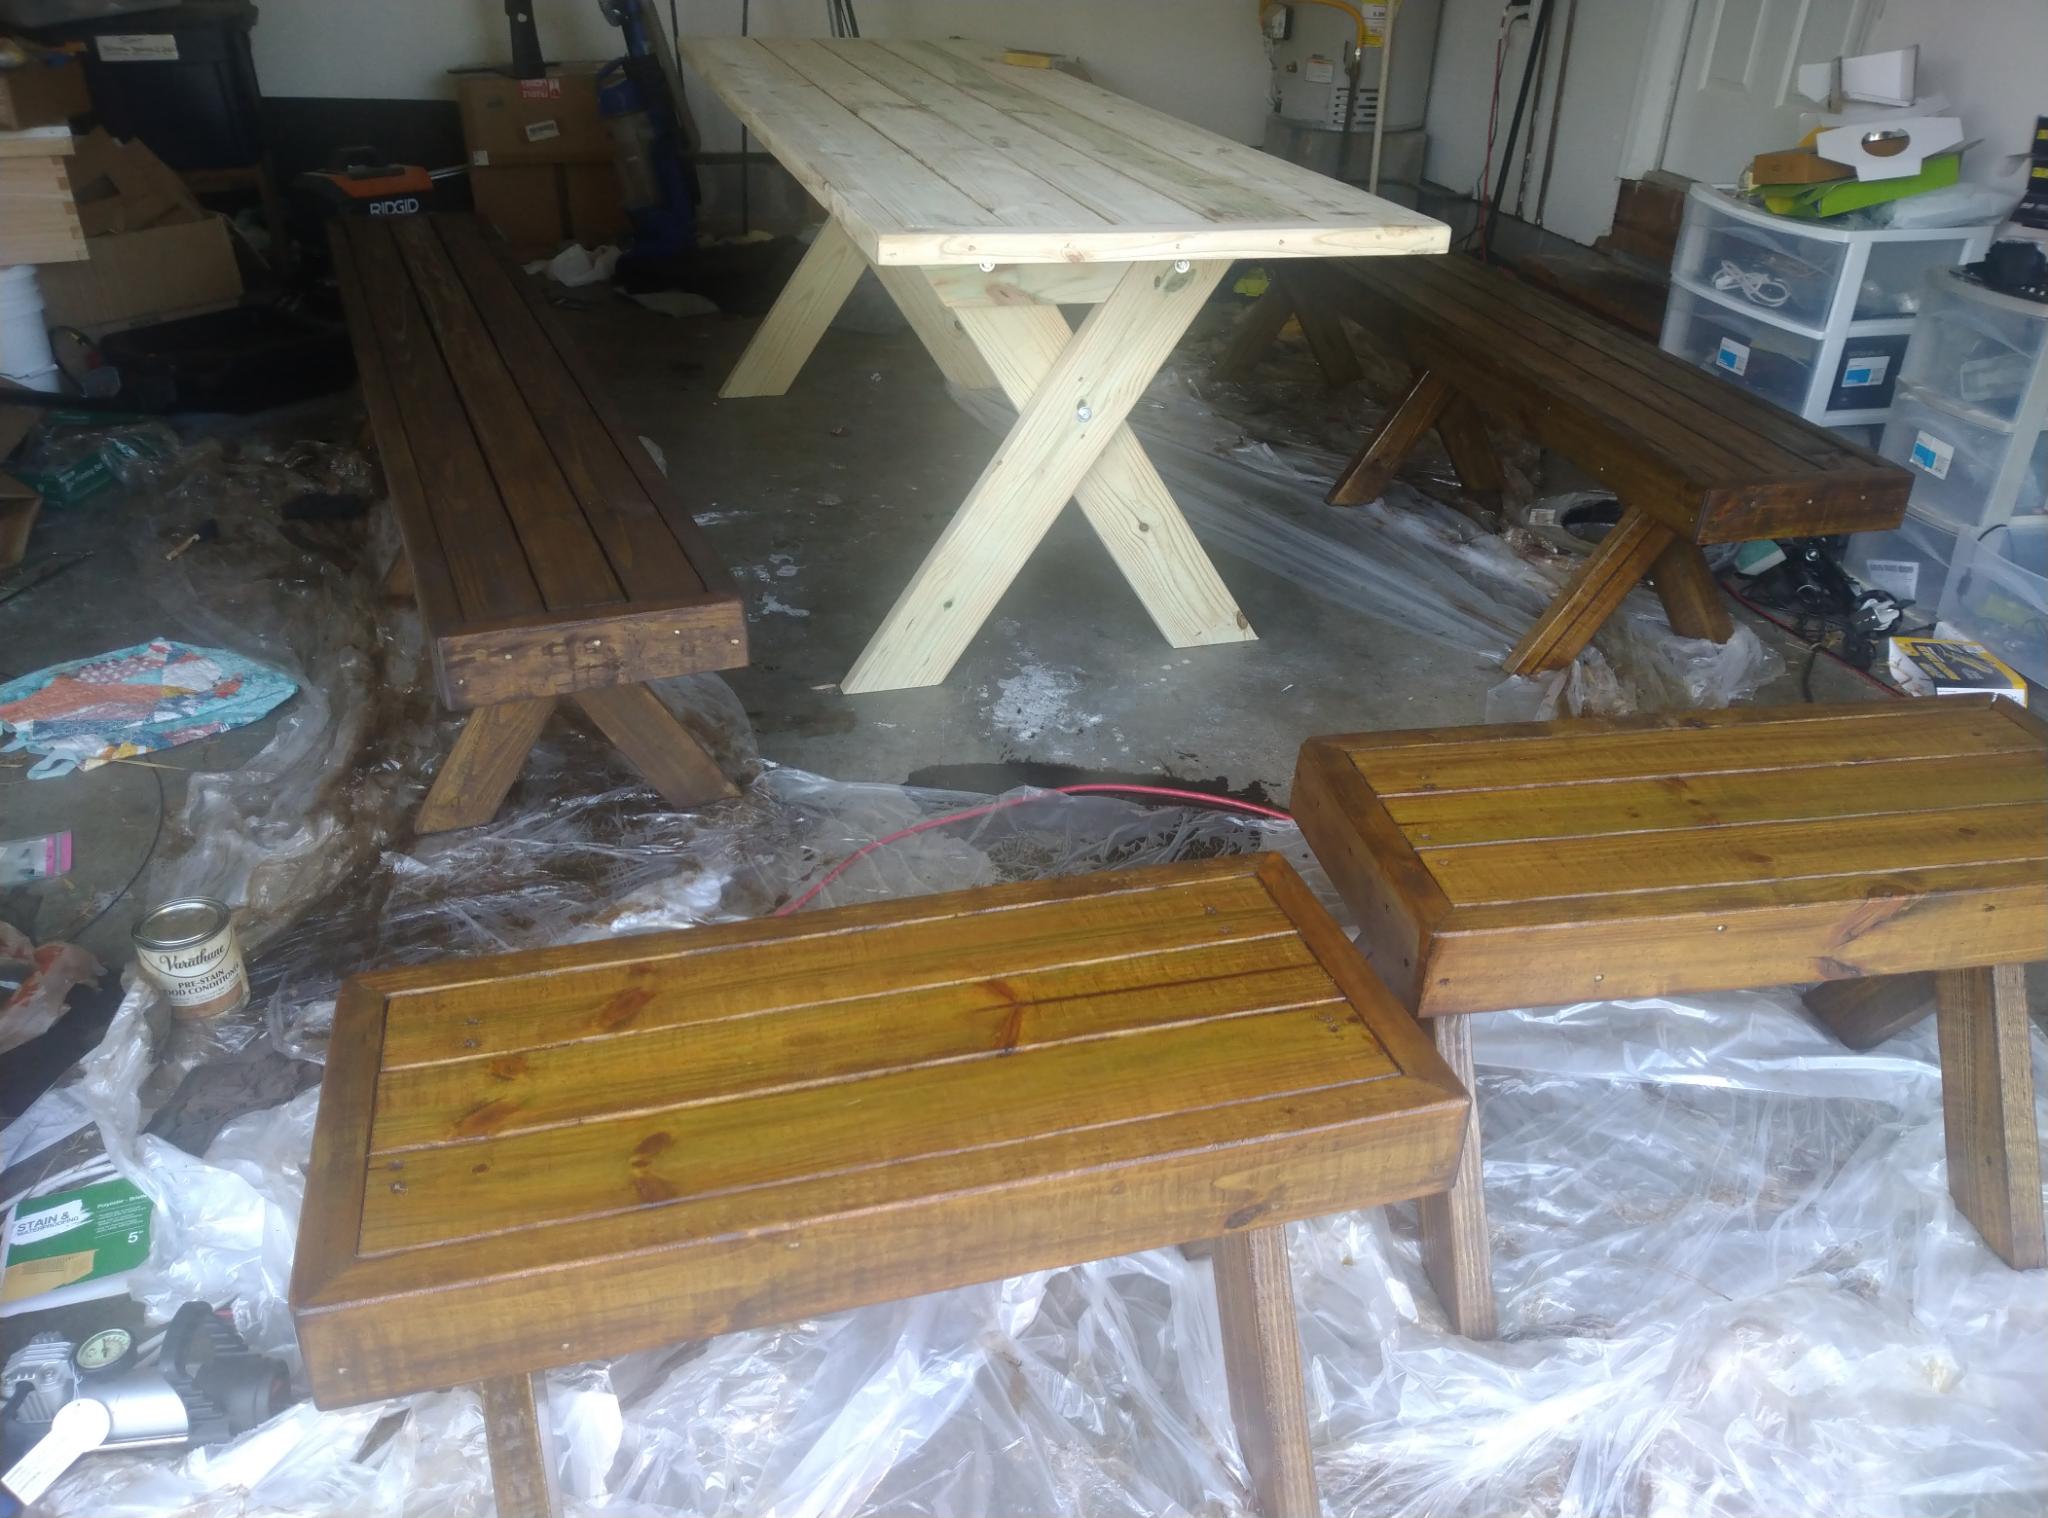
x: 1990, y: 57
x: 1201, y: 59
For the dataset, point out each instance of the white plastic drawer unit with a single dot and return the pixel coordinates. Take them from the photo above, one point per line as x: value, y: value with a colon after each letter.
x: 1912, y: 563
x: 1771, y: 263
x: 1776, y: 362
x: 1963, y: 463
x: 1999, y: 594
x: 1979, y: 349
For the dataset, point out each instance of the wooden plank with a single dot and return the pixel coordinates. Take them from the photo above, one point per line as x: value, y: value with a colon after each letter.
x: 1295, y: 188
x: 659, y: 746
x: 989, y: 176
x: 867, y: 183
x: 38, y: 218
x: 1262, y: 1371
x: 1123, y: 496
x: 1689, y: 743
x: 1367, y: 476
x: 795, y: 324
x: 1025, y: 284
x: 1457, y: 1253
x: 1864, y: 1013
x: 1739, y: 853
x: 488, y: 755
x: 38, y: 142
x: 1691, y: 595
x: 1105, y: 190
x: 1059, y: 435
x: 1324, y: 330
x: 1393, y: 897
x: 1987, y: 1103
x: 1591, y: 808
x: 664, y: 1273
x: 1592, y: 595
x: 1170, y: 193
x: 630, y: 530
x: 558, y: 653
x: 716, y: 1148
x: 1721, y: 938
x: 682, y: 526
x: 722, y: 1058
x: 725, y: 979
x: 348, y: 1095
x: 519, y: 1439
x: 428, y: 581
x: 473, y: 532
x: 558, y: 543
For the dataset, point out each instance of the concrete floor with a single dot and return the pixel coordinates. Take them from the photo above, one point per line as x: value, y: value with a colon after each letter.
x: 822, y: 502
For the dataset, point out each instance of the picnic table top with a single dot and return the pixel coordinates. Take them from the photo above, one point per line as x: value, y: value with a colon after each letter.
x: 933, y: 153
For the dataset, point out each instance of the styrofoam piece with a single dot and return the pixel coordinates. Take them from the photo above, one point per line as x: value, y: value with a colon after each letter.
x: 1893, y: 149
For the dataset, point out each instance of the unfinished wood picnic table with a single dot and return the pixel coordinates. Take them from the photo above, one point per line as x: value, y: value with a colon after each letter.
x: 985, y: 196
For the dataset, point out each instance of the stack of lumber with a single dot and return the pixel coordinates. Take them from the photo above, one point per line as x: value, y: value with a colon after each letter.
x: 38, y: 219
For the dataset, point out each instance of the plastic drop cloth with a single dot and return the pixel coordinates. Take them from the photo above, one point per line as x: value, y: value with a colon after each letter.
x: 1731, y: 1279
x: 1409, y: 560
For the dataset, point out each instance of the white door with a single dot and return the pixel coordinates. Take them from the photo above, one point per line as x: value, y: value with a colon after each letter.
x: 1737, y: 93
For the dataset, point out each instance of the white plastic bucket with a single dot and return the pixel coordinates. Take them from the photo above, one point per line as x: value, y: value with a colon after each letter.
x: 25, y: 355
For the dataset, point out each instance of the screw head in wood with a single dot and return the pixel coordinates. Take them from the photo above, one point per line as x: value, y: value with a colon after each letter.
x: 1181, y: 266
x: 988, y: 266
x: 1084, y: 412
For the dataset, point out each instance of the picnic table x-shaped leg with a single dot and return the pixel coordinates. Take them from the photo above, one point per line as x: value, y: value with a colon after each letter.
x: 1074, y: 391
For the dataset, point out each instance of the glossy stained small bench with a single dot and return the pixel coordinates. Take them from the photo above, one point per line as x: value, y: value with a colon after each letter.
x: 536, y: 1159
x: 1512, y: 866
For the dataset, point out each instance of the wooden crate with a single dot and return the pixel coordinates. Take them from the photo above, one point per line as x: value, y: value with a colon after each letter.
x: 38, y: 218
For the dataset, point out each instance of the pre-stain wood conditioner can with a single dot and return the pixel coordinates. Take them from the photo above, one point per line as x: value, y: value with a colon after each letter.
x: 188, y: 950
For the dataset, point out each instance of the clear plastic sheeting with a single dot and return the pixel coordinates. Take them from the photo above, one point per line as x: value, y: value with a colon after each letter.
x: 1731, y: 1282
x: 1409, y: 560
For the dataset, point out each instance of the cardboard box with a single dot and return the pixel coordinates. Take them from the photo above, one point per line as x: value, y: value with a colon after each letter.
x: 539, y: 206
x: 151, y: 249
x: 19, y: 506
x: 158, y: 272
x: 1797, y: 166
x: 551, y: 120
x: 42, y: 94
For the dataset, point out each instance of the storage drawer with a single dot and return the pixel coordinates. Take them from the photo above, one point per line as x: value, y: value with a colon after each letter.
x: 1955, y: 461
x: 1912, y: 563
x: 1979, y: 354
x: 1869, y: 371
x: 1778, y: 365
x: 1896, y: 272
x: 1999, y: 596
x: 1793, y: 275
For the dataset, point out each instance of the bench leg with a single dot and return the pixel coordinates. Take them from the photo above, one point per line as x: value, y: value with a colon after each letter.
x: 480, y: 769
x: 1368, y: 475
x: 1592, y: 595
x: 1262, y: 1365
x: 1471, y: 450
x: 398, y: 580
x: 831, y: 266
x: 1254, y: 335
x: 1691, y: 595
x: 1324, y: 330
x: 1987, y: 1104
x: 522, y: 1446
x: 1455, y: 1252
x: 660, y: 747
x: 1863, y: 1013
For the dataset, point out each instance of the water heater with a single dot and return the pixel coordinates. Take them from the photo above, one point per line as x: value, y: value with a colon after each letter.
x: 1312, y: 45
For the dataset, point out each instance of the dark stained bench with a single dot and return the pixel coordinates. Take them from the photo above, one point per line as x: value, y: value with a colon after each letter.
x: 549, y: 558
x: 1693, y: 459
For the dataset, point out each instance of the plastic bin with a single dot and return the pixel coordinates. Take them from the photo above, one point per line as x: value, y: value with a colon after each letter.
x: 1896, y: 274
x: 1980, y: 352
x: 1775, y: 362
x: 1956, y: 458
x: 1913, y: 563
x: 1802, y: 271
x: 182, y: 79
x: 1999, y: 595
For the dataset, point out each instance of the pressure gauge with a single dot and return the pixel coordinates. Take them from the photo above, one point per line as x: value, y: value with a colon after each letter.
x: 105, y: 1350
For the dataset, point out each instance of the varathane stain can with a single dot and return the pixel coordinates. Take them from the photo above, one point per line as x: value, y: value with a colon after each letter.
x: 188, y: 949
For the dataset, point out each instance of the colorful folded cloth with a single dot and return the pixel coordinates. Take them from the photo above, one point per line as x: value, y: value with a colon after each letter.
x: 156, y: 695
